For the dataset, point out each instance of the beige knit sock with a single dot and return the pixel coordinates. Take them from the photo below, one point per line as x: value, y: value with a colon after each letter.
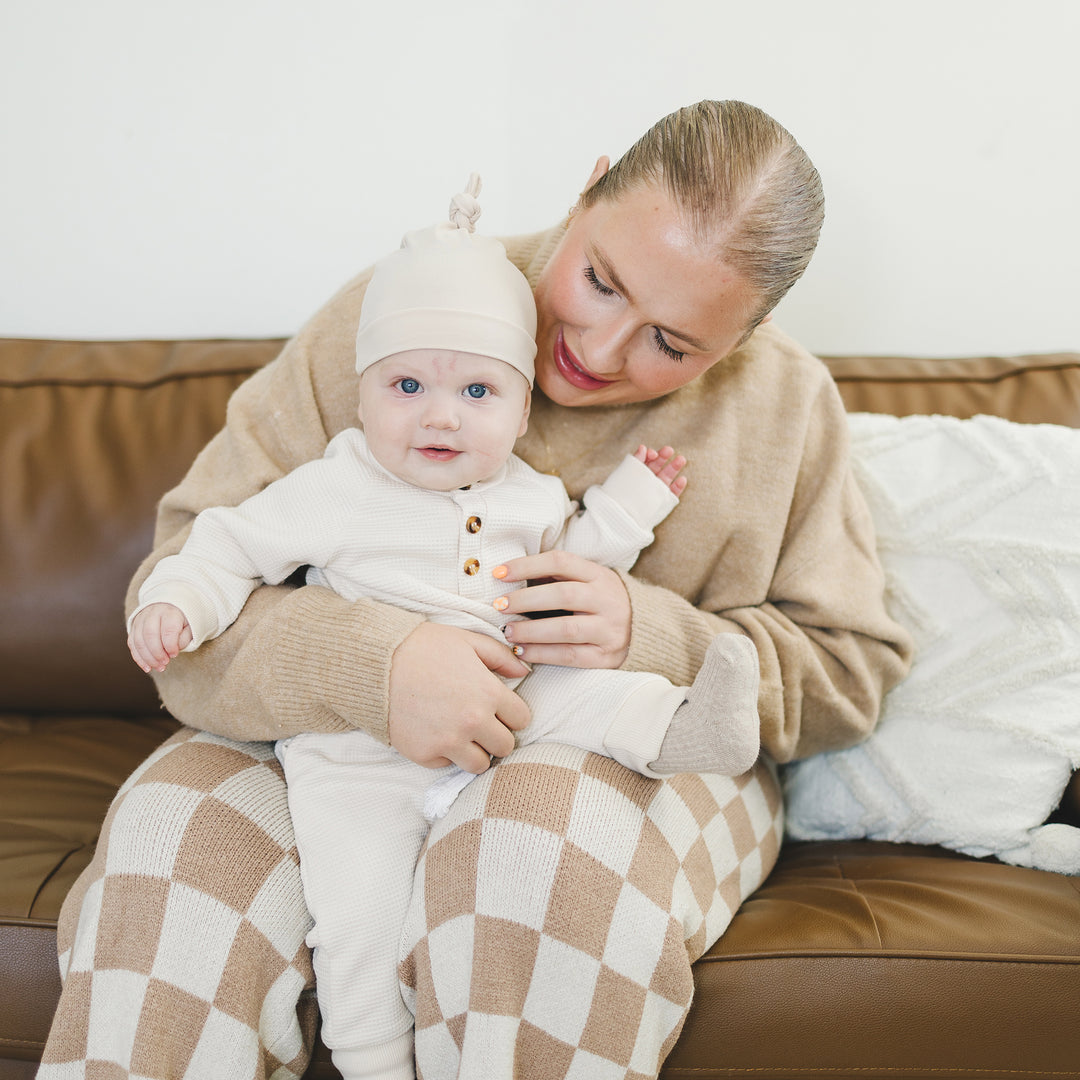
x: 717, y: 728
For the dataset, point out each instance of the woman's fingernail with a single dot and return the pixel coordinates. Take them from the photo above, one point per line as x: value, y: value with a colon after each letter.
x: 499, y: 572
x: 517, y: 650
x: 501, y: 603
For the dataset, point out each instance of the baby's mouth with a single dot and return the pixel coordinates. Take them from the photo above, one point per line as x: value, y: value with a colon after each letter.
x: 438, y: 453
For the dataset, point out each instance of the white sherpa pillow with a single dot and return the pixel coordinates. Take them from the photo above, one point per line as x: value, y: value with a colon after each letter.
x: 979, y: 532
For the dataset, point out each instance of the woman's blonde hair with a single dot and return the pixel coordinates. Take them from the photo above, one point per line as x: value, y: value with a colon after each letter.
x: 744, y: 184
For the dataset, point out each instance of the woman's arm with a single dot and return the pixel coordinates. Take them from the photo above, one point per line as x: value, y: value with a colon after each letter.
x: 773, y: 540
x: 828, y: 648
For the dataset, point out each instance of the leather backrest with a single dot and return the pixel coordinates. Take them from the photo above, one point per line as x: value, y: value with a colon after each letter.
x: 1032, y: 389
x: 92, y: 434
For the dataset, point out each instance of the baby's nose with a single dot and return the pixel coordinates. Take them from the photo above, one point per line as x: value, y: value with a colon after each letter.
x: 441, y: 416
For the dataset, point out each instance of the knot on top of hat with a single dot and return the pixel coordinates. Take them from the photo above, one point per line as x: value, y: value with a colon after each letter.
x: 464, y: 209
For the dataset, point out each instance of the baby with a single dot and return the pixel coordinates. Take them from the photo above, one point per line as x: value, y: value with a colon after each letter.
x: 422, y: 508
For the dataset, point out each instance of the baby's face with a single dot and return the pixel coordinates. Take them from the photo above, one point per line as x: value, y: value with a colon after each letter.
x: 441, y: 419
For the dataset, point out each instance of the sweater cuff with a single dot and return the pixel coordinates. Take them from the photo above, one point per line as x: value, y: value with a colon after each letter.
x: 668, y: 635
x: 340, y: 652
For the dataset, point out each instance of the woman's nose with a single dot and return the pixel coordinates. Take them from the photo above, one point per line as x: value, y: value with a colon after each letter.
x: 605, y: 345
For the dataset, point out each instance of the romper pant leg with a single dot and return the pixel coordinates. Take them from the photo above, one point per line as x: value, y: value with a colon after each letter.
x: 559, y: 905
x: 182, y: 944
x: 357, y: 808
x: 621, y: 714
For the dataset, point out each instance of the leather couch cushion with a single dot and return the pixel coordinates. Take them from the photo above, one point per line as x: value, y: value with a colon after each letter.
x: 91, y: 435
x: 58, y: 775
x: 844, y: 963
x: 874, y: 959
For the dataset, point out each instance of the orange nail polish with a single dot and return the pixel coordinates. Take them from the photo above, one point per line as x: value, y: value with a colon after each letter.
x: 499, y: 572
x: 501, y: 603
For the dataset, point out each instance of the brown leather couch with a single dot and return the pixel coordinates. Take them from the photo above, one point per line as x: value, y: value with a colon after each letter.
x: 853, y: 959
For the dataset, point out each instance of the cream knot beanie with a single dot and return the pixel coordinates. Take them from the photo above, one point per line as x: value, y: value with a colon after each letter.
x: 446, y: 288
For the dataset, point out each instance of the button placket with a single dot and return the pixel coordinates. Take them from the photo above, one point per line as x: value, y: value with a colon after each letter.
x: 471, y: 545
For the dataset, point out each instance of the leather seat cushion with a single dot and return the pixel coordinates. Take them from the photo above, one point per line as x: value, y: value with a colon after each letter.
x: 58, y: 775
x: 863, y: 958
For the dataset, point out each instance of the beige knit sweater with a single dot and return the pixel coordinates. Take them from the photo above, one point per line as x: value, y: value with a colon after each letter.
x: 771, y: 537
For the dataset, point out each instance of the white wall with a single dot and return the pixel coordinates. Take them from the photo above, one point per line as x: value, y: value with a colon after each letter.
x: 219, y: 167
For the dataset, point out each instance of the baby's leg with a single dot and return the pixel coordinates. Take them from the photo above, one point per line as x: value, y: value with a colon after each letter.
x: 717, y: 728
x: 357, y: 809
x: 647, y: 724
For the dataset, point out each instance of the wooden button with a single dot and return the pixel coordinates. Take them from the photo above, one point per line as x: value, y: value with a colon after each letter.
x: 472, y: 566
x: 473, y: 524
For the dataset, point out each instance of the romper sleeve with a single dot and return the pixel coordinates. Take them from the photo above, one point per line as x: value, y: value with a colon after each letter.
x: 231, y: 550
x: 618, y: 516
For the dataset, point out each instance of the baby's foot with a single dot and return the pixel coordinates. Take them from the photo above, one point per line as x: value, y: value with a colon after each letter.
x: 716, y: 729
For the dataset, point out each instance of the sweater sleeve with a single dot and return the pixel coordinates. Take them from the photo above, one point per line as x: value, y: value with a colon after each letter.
x: 295, y: 659
x: 827, y: 646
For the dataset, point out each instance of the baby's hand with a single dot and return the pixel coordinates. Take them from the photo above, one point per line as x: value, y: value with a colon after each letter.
x: 666, y: 464
x: 158, y: 633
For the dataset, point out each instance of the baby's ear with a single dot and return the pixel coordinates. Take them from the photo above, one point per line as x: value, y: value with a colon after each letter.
x: 525, y: 414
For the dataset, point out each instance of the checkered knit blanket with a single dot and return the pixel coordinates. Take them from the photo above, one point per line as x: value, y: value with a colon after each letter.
x: 557, y: 910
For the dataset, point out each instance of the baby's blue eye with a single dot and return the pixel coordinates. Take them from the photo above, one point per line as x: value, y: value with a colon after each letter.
x: 408, y: 386
x: 477, y: 390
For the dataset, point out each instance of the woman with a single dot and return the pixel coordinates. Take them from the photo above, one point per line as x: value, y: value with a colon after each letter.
x: 558, y: 906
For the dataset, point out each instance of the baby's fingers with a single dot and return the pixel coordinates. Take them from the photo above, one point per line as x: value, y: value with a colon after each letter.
x: 667, y: 465
x: 171, y: 629
x: 139, y: 653
x: 147, y: 650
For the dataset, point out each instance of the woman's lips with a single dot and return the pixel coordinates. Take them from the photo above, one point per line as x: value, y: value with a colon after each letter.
x: 567, y: 365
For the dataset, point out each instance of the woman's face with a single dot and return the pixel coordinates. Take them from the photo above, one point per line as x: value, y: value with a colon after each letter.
x: 632, y: 306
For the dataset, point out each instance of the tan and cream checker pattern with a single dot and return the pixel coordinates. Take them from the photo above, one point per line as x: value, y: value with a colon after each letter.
x: 182, y: 945
x: 578, y: 894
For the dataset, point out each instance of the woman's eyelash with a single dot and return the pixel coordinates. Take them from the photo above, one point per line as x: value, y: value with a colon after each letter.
x: 658, y: 338
x: 664, y: 347
x: 596, y: 283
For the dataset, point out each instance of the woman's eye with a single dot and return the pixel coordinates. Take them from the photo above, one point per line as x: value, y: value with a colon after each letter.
x: 477, y: 390
x: 408, y: 386
x: 597, y: 284
x: 664, y: 347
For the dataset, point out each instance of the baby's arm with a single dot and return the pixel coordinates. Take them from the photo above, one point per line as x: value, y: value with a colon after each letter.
x: 158, y: 633
x: 666, y: 466
x: 618, y: 516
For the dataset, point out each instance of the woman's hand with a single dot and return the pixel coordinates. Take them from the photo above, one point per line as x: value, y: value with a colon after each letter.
x: 447, y: 703
x: 592, y: 626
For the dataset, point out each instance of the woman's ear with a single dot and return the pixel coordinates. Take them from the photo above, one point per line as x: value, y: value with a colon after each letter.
x: 602, y: 165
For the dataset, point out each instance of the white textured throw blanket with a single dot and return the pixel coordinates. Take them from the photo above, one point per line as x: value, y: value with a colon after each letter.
x: 979, y: 532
